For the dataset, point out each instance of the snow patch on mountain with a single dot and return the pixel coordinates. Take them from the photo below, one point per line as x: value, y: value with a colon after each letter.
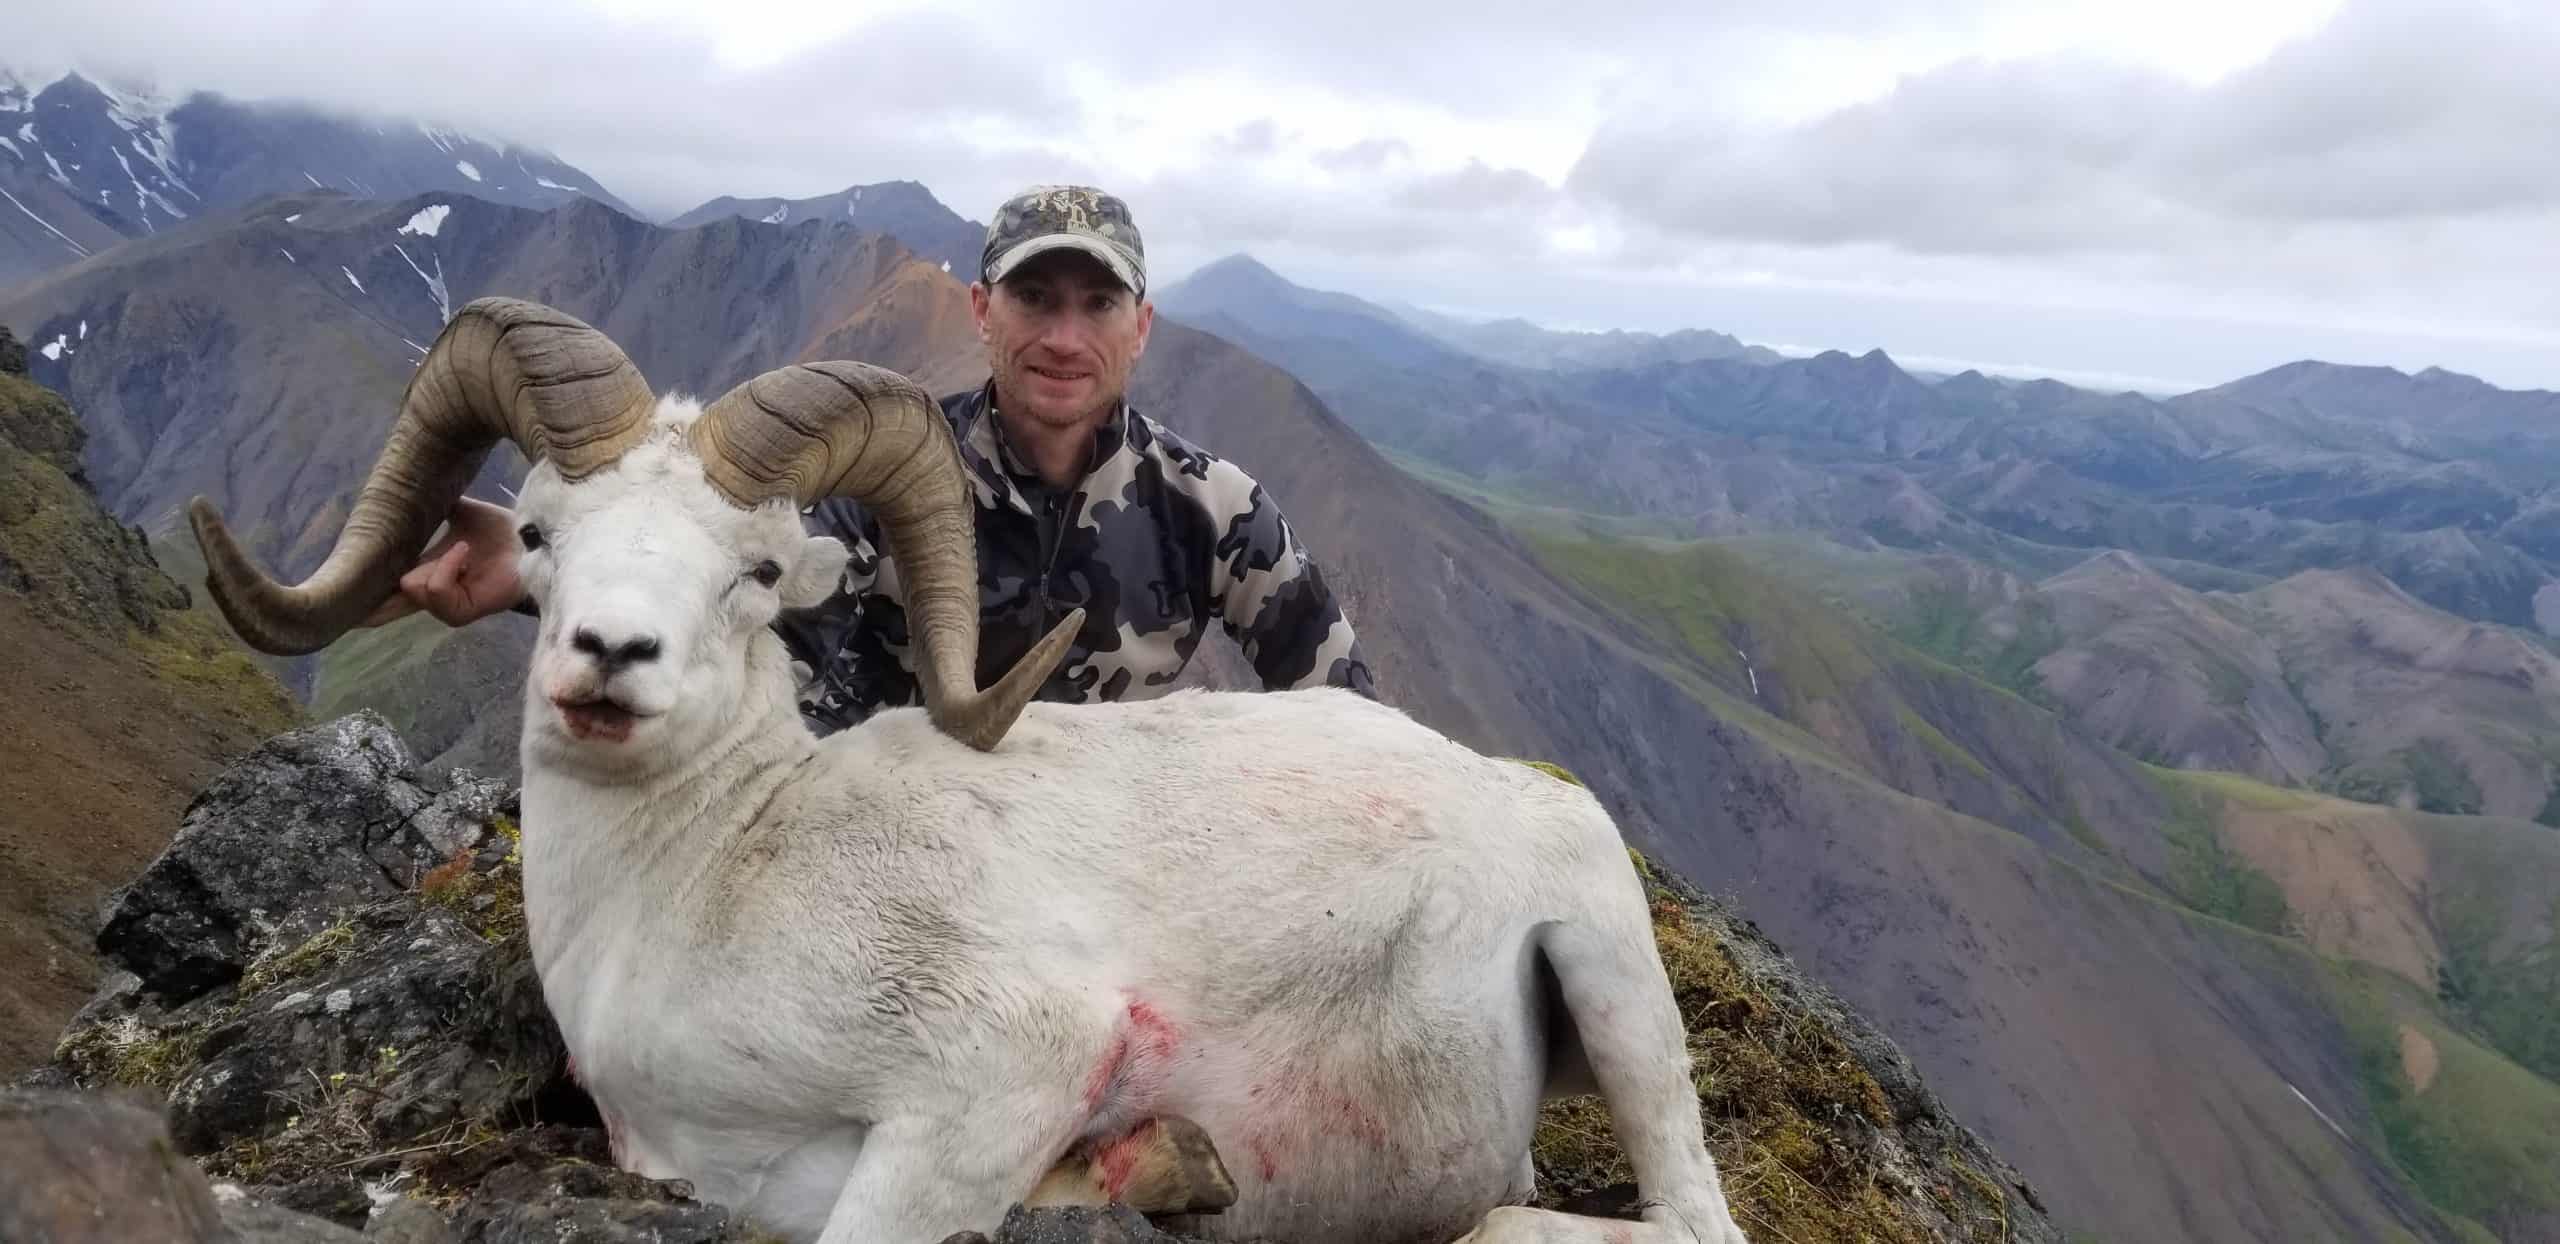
x: 467, y: 169
x: 76, y: 248
x: 435, y: 284
x: 429, y: 219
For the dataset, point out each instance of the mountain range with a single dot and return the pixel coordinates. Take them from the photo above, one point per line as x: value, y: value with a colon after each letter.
x: 84, y: 165
x: 2189, y: 1005
x: 2438, y: 481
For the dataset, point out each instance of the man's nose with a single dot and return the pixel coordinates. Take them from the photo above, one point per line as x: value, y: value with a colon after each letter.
x: 615, y: 652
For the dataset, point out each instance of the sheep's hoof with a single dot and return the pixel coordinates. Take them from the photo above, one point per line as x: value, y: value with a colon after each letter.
x: 1164, y: 1165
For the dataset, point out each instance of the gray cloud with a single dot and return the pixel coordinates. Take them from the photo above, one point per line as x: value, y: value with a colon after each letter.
x: 2389, y: 113
x: 2376, y: 182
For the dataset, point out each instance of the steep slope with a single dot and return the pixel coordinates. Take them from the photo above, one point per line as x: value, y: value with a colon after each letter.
x: 125, y: 163
x: 903, y: 210
x: 2144, y: 1061
x: 2415, y: 706
x: 121, y: 702
x: 2162, y: 671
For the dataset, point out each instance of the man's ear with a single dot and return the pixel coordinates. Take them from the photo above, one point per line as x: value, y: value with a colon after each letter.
x: 817, y: 574
x: 978, y: 296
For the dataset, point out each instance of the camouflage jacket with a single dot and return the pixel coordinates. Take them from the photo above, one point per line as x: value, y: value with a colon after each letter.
x: 1159, y: 540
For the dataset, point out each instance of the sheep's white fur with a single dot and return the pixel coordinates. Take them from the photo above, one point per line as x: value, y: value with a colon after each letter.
x: 868, y: 989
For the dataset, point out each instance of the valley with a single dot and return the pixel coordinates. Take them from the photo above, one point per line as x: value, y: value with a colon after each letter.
x: 2162, y: 775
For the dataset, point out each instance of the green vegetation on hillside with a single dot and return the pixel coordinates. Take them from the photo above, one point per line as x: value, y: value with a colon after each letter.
x: 2480, y: 1136
x: 2433, y: 779
x: 1801, y: 1131
x: 1830, y: 668
x: 2204, y: 874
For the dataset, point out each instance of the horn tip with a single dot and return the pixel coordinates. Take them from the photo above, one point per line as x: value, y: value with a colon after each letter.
x: 983, y: 724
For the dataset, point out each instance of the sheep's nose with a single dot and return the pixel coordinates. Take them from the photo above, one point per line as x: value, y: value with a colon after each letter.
x: 615, y: 656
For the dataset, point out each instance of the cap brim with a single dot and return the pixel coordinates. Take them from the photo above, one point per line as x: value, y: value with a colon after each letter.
x: 1111, y: 257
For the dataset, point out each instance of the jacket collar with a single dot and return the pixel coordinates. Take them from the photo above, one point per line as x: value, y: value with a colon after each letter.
x: 999, y: 475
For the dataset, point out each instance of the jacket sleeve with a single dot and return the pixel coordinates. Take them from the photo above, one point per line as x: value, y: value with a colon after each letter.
x: 1271, y: 595
x: 848, y: 652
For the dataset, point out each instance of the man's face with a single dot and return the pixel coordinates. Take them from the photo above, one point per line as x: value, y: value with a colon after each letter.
x: 1062, y: 337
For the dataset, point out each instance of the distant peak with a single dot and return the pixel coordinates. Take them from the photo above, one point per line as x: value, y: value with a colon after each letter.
x: 1239, y: 264
x: 2112, y: 564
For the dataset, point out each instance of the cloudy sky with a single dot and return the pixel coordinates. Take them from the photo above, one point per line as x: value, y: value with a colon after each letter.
x: 2166, y: 193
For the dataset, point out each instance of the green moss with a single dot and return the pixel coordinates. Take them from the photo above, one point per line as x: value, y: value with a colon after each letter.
x: 2246, y: 791
x: 318, y: 953
x: 2510, y: 992
x: 2038, y: 636
x: 1946, y: 749
x: 2482, y: 1138
x: 2226, y: 683
x: 491, y: 902
x: 2081, y: 831
x: 1552, y: 770
x: 2428, y: 774
x: 126, y: 1053
x: 2203, y: 874
x: 1786, y: 1107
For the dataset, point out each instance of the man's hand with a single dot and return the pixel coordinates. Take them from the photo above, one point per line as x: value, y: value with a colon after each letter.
x: 466, y: 575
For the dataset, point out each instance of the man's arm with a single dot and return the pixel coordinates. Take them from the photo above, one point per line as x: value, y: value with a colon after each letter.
x: 847, y: 648
x: 1271, y: 595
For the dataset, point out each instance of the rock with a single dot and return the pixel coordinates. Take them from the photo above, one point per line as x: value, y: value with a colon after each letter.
x: 78, y: 1167
x: 407, y: 1022
x: 13, y: 353
x: 589, y: 1203
x: 255, y: 1221
x: 408, y: 1220
x: 310, y: 824
x: 1117, y: 1224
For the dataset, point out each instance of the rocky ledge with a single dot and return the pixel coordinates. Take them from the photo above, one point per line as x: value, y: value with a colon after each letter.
x: 321, y: 1023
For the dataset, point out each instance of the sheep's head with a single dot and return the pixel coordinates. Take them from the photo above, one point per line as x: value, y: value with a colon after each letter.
x: 660, y: 541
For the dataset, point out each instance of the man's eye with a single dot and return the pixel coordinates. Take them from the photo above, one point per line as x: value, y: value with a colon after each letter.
x: 767, y: 573
x: 531, y: 535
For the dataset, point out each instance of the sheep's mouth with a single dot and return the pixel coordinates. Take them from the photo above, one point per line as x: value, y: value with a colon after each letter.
x: 601, y: 718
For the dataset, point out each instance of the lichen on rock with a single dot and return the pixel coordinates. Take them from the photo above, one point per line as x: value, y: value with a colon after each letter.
x: 1821, y: 1128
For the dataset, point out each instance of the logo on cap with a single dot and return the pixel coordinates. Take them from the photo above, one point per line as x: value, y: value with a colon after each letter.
x: 1046, y: 218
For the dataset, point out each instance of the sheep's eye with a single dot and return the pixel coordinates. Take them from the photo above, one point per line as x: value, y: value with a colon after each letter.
x: 531, y: 535
x: 767, y: 573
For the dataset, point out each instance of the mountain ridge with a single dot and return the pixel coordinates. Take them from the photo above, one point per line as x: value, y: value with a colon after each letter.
x: 83, y: 163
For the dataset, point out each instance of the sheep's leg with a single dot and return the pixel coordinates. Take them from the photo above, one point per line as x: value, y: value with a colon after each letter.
x: 927, y: 1178
x: 1619, y: 1002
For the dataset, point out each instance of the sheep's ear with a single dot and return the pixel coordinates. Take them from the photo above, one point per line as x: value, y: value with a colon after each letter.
x: 816, y: 575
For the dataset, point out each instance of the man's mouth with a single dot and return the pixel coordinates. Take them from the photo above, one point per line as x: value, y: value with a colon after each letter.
x: 598, y: 718
x: 1061, y: 375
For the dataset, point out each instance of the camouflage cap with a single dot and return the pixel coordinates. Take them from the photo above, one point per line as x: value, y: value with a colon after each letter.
x: 1046, y: 218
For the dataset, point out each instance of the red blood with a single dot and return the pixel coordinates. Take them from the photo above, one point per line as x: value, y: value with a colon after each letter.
x: 1262, y: 1158
x: 1119, y: 1159
x: 1106, y: 1071
x: 1140, y: 1056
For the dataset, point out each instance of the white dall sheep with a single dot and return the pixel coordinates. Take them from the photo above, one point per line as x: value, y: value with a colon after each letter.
x: 869, y: 989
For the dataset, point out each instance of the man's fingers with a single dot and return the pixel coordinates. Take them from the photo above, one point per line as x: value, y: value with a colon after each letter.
x: 394, y: 607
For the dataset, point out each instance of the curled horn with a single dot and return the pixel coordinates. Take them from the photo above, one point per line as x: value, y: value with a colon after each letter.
x: 853, y: 430
x: 501, y: 368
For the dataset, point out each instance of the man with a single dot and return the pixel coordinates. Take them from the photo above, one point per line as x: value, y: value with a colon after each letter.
x: 1081, y: 502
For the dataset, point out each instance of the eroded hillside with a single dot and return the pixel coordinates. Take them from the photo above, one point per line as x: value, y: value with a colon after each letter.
x: 120, y: 702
